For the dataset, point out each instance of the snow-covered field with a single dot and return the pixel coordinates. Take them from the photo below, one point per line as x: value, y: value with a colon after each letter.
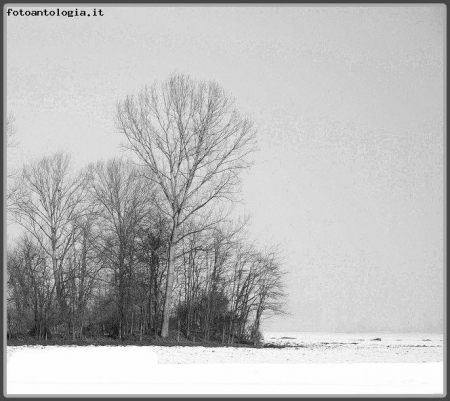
x: 313, y: 363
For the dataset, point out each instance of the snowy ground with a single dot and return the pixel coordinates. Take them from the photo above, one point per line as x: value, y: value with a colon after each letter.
x: 313, y: 363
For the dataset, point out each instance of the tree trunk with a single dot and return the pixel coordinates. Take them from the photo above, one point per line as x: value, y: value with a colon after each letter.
x: 59, y: 284
x: 141, y: 323
x: 149, y: 320
x: 73, y: 320
x: 121, y: 300
x: 256, y: 325
x: 132, y: 322
x: 188, y: 324
x: 169, y: 282
x: 81, y: 325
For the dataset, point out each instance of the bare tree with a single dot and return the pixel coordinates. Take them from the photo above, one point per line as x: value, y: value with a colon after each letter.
x: 48, y: 205
x: 152, y: 254
x: 84, y: 267
x: 123, y: 201
x: 32, y: 288
x: 195, y: 144
x: 270, y: 295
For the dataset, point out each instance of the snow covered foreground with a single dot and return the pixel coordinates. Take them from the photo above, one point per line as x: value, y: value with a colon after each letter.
x: 310, y: 366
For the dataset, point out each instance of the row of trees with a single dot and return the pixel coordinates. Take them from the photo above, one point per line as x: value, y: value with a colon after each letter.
x: 141, y: 246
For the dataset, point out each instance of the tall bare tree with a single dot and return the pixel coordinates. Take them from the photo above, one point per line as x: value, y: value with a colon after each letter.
x: 84, y: 268
x: 49, y: 203
x: 31, y: 288
x: 270, y: 295
x: 122, y: 198
x: 194, y: 142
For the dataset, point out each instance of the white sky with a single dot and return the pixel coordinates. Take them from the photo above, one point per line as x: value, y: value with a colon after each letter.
x: 348, y: 102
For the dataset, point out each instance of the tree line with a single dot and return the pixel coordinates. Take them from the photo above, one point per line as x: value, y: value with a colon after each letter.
x: 144, y: 245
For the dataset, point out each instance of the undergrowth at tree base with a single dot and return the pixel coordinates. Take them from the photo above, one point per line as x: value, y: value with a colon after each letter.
x: 171, y: 341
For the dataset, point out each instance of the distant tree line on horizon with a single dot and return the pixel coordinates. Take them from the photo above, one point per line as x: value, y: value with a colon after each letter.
x: 144, y: 246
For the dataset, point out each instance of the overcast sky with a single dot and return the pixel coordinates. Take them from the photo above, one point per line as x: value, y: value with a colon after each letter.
x: 348, y: 103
